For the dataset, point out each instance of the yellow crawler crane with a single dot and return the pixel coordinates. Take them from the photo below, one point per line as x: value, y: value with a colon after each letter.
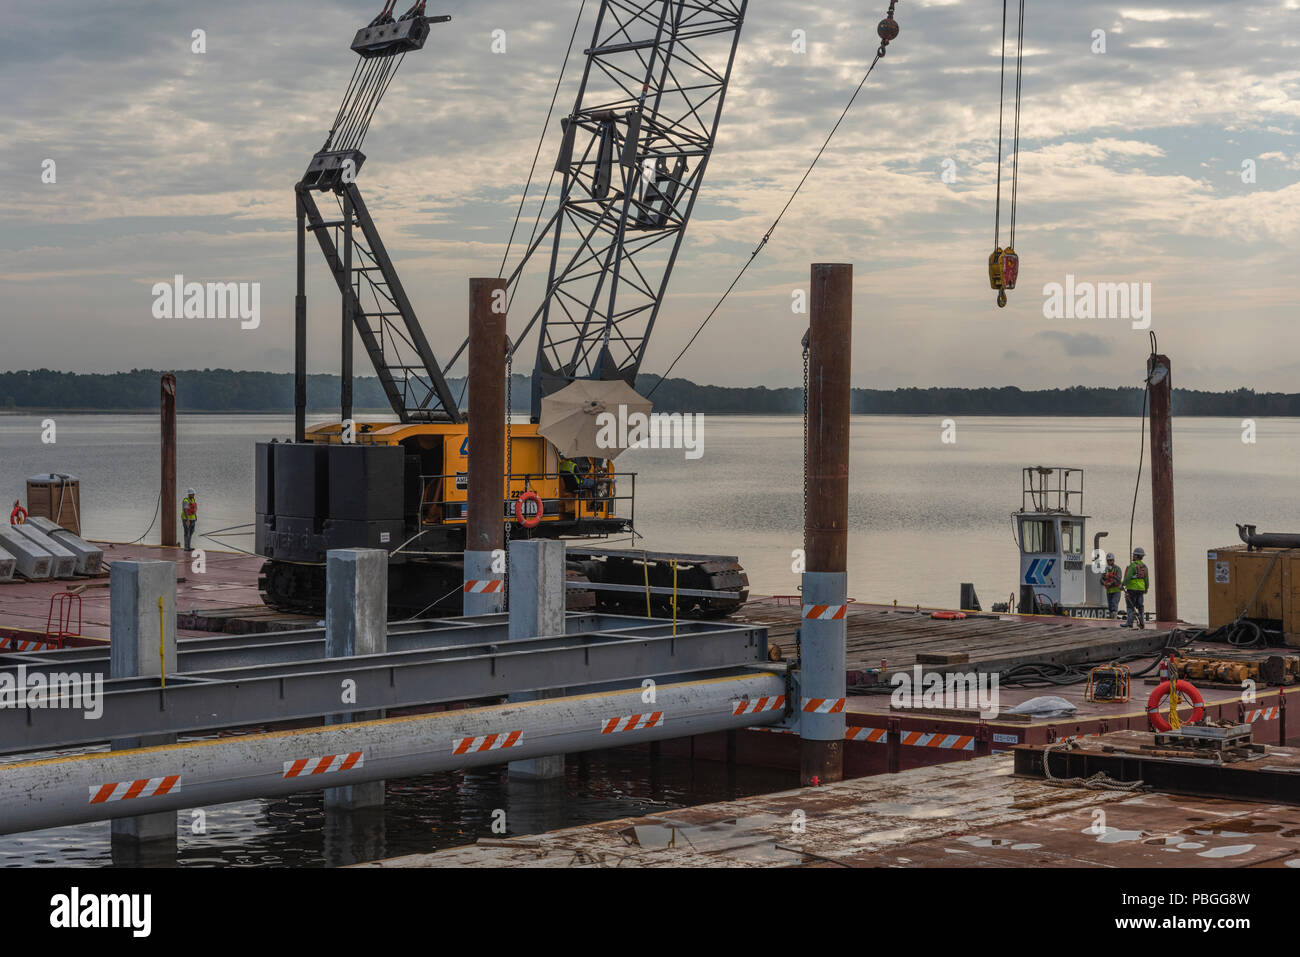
x: 632, y: 158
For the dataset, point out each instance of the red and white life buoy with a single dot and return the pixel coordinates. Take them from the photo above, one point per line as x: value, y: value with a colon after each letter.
x: 532, y: 520
x: 18, y: 516
x: 1160, y: 692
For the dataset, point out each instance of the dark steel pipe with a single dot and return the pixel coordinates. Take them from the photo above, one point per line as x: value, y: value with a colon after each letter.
x: 167, y: 492
x: 1267, y: 539
x: 826, y: 531
x: 1162, y: 487
x: 487, y: 414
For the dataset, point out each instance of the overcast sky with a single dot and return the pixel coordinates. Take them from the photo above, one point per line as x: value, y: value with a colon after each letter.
x: 170, y: 161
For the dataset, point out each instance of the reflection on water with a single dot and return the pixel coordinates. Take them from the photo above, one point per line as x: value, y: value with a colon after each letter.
x: 420, y: 815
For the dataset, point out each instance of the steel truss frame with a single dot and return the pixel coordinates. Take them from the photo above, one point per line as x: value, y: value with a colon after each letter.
x: 633, y: 157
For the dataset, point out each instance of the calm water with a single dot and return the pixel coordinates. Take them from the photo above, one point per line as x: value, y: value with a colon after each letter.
x: 420, y: 814
x: 925, y: 516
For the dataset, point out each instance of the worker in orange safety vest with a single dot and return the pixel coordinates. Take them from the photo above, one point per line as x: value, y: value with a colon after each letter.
x: 189, y: 515
x: 1113, y: 581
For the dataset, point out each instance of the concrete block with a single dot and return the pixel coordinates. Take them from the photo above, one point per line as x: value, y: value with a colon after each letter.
x: 143, y: 633
x: 356, y: 602
x: 64, y: 563
x: 356, y: 623
x: 8, y: 566
x: 90, y: 560
x: 537, y: 588
x: 32, y: 561
x: 135, y: 628
x: 537, y: 608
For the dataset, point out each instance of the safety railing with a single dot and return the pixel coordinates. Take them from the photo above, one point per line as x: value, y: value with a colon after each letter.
x: 594, y: 501
x: 62, y: 605
x: 1051, y: 489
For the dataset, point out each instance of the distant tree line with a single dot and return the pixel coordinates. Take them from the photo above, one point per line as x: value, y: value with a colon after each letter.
x: 684, y: 395
x: 224, y: 390
x: 198, y: 390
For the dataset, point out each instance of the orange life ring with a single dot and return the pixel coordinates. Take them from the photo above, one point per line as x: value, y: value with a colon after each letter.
x: 18, y: 516
x: 1161, y: 691
x: 948, y: 615
x: 531, y: 522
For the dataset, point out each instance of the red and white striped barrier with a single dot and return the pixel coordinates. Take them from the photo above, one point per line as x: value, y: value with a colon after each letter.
x: 28, y: 644
x: 958, y: 742
x: 758, y: 704
x: 869, y: 735
x: 324, y: 764
x: 487, y: 742
x: 475, y: 586
x: 632, y: 722
x: 128, y: 790
x: 937, y: 739
x: 823, y: 705
x: 865, y: 735
x: 1264, y: 714
x: 825, y: 612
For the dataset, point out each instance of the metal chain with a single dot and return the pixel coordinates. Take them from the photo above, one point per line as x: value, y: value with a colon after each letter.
x: 510, y: 360
x: 805, y: 447
x: 807, y: 344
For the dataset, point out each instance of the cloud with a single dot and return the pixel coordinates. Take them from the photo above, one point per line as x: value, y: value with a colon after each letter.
x: 174, y: 162
x: 1079, y: 343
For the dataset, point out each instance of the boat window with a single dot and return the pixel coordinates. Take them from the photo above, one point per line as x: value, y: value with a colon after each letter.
x: 1072, y: 537
x: 1037, y: 535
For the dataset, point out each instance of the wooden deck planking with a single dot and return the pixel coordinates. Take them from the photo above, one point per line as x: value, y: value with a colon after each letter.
x: 874, y: 633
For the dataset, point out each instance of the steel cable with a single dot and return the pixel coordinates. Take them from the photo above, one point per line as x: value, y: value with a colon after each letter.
x: 538, y: 152
x: 768, y: 235
x: 1015, y: 149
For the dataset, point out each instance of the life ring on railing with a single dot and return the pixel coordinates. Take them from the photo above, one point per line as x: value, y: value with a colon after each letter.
x: 1161, y: 691
x: 948, y: 615
x: 18, y: 516
x: 532, y: 520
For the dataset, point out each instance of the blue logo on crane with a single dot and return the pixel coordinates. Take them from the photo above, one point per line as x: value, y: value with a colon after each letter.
x: 464, y: 446
x: 1038, y: 571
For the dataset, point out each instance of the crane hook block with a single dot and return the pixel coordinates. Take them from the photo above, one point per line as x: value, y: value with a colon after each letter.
x: 1010, y: 268
x: 887, y: 29
x: 995, y: 268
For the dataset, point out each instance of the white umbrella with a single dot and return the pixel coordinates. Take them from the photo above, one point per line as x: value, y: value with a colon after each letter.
x: 588, y: 417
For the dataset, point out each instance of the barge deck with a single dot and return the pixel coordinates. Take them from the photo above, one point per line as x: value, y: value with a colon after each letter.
x: 967, y: 815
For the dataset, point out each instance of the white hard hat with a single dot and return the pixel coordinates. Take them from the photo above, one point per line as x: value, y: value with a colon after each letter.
x: 1110, y: 556
x: 1139, y: 552
x: 189, y: 491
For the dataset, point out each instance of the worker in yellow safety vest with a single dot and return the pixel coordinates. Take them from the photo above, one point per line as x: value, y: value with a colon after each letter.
x: 568, y: 474
x: 1136, y: 578
x: 577, y: 475
x: 1112, y: 579
x: 189, y: 515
